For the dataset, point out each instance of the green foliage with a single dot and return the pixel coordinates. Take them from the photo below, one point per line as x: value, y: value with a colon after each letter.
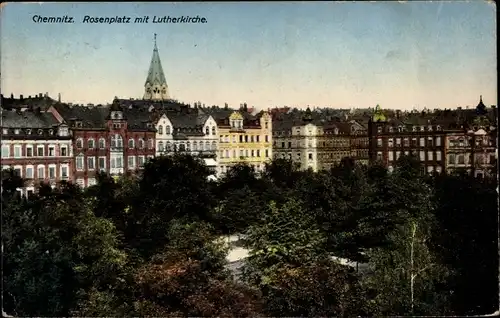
x: 53, y: 247
x: 150, y: 244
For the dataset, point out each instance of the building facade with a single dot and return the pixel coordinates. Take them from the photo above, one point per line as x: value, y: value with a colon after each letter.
x: 107, y: 139
x: 389, y: 139
x: 244, y: 138
x: 37, y: 147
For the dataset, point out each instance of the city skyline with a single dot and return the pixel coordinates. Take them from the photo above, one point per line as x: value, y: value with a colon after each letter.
x: 403, y: 55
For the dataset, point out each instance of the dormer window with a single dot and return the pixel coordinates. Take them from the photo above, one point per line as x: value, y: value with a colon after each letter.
x: 430, y: 128
x: 422, y: 128
x: 40, y: 132
x: 5, y: 131
x: 390, y: 129
x: 414, y: 128
x: 63, y: 131
x: 16, y: 131
x: 438, y: 128
x: 51, y: 132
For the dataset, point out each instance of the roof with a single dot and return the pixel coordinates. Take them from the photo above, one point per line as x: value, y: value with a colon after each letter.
x: 40, y: 100
x: 28, y: 119
x: 155, y: 73
x: 91, y: 117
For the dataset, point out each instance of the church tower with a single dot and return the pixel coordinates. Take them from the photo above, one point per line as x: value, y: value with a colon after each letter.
x: 156, y: 87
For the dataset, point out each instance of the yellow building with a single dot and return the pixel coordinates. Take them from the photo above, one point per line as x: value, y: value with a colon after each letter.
x: 244, y: 138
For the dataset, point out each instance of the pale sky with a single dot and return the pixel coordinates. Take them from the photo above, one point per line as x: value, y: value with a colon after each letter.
x: 352, y: 54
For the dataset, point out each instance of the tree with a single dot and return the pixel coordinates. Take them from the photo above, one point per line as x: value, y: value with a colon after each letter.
x: 189, y: 278
x: 406, y: 273
x: 466, y: 239
x: 289, y: 265
x: 54, y: 250
x: 170, y: 187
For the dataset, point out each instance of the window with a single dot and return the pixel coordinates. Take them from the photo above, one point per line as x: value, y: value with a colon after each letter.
x: 102, y: 143
x: 90, y: 144
x: 29, y: 151
x: 390, y: 142
x: 151, y: 144
x: 52, y: 151
x: 102, y: 163
x: 422, y: 142
x: 379, y: 156
x: 391, y: 156
x: 116, y: 141
x: 430, y: 155
x: 5, y: 152
x: 116, y: 162
x: 257, y: 138
x: 406, y: 142
x: 79, y: 143
x: 422, y: 155
x: 17, y: 151
x: 52, y: 172
x: 39, y: 151
x: 160, y: 146
x: 451, y: 159
x: 438, y: 155
x: 461, y: 159
x: 379, y: 130
x: 131, y: 162
x: 160, y: 130
x: 310, y: 156
x: 64, y: 151
x: 214, y: 145
x: 207, y: 130
x: 438, y: 141
x: 140, y: 161
x: 213, y: 131
x: 29, y: 172
x: 414, y: 142
x: 167, y: 130
x: 429, y: 142
x: 379, y: 142
x: 258, y: 153
x: 141, y: 143
x: 246, y: 138
x: 267, y: 138
x: 267, y: 153
x: 79, y: 163
x: 64, y: 172
x: 398, y: 142
x: 131, y: 143
x: 398, y: 154
x: 41, y: 172
x: 91, y: 163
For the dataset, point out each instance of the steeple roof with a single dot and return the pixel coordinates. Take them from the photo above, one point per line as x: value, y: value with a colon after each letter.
x: 155, y: 74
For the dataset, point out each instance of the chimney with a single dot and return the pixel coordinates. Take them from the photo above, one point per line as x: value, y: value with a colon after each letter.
x: 11, y: 96
x: 59, y: 97
x: 29, y: 96
x: 21, y: 97
x: 40, y: 95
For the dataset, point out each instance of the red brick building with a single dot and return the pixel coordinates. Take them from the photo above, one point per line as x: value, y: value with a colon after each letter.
x: 109, y: 138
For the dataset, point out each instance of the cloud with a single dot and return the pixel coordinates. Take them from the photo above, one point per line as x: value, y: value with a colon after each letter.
x: 397, y: 55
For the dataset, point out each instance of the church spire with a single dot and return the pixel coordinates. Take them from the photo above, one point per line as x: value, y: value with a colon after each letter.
x: 156, y: 87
